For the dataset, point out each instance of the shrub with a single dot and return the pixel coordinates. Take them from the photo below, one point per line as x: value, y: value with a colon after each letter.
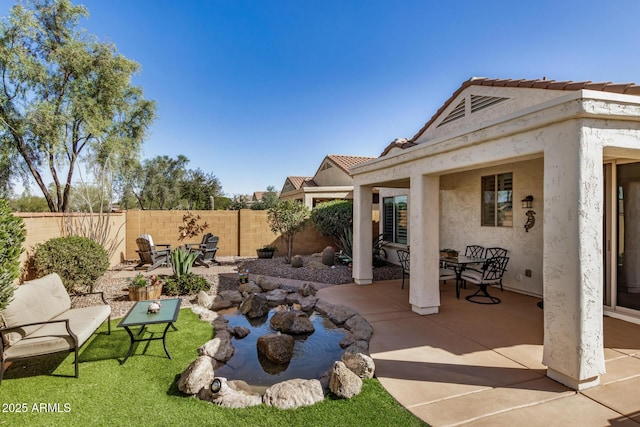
x: 12, y: 235
x: 186, y: 284
x: 79, y: 261
x: 331, y: 218
x: 288, y: 217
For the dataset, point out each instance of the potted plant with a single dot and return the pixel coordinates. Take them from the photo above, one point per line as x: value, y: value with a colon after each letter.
x: 140, y: 289
x: 266, y: 251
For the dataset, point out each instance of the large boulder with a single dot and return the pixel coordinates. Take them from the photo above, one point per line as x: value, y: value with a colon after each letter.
x: 231, y: 394
x: 277, y: 348
x: 277, y: 297
x: 266, y: 283
x: 204, y: 299
x: 233, y: 295
x: 250, y: 288
x: 220, y: 303
x: 360, y: 364
x: 339, y: 314
x: 307, y: 289
x: 308, y: 303
x: 297, y: 261
x: 344, y: 383
x: 197, y: 376
x: 292, y: 322
x: 294, y: 394
x: 255, y: 306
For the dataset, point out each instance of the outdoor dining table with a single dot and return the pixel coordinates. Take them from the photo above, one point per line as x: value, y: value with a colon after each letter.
x: 459, y: 263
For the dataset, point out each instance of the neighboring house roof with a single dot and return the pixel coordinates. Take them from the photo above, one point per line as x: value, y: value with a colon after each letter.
x: 623, y: 88
x: 345, y: 162
x: 397, y: 143
x: 298, y: 182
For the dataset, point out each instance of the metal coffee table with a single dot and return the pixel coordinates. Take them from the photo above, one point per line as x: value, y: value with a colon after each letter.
x: 138, y: 316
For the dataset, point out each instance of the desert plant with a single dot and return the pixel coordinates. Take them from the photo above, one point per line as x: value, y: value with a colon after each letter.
x: 186, y: 284
x: 79, y: 261
x: 288, y: 217
x: 12, y: 235
x: 182, y: 261
x: 346, y: 244
x: 331, y: 218
x: 138, y: 282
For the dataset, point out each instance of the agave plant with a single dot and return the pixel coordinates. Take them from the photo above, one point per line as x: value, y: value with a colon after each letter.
x: 182, y: 260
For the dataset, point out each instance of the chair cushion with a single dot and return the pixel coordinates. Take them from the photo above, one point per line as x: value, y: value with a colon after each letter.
x: 471, y: 275
x: 35, y: 301
x: 447, y: 273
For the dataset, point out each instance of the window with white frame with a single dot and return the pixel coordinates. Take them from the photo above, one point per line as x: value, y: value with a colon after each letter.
x: 395, y: 219
x: 497, y: 200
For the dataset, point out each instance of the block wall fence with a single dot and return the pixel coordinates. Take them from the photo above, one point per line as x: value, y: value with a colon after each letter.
x: 241, y: 232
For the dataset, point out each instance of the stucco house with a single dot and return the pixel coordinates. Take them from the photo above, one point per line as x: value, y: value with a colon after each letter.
x: 575, y: 148
x: 330, y: 182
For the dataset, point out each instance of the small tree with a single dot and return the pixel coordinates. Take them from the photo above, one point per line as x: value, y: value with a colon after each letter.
x: 332, y: 218
x: 12, y: 235
x: 288, y: 217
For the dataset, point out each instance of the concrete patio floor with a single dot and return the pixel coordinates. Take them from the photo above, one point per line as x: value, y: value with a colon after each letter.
x: 480, y: 365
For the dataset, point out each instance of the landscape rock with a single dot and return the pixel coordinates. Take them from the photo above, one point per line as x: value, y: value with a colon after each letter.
x: 240, y: 332
x: 197, y: 376
x: 220, y: 303
x: 360, y: 364
x: 316, y: 265
x: 308, y: 303
x: 277, y: 348
x: 266, y: 284
x: 219, y: 348
x: 294, y: 394
x: 250, y: 288
x: 358, y: 347
x: 204, y: 299
x: 344, y: 383
x: 339, y: 314
x: 232, y: 394
x: 297, y: 261
x: 255, y: 306
x: 307, y: 289
x: 328, y: 256
x: 277, y: 297
x: 233, y: 295
x: 359, y: 327
x: 293, y: 298
x: 292, y: 322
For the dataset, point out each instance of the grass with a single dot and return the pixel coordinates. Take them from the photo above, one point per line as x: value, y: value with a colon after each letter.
x: 144, y: 391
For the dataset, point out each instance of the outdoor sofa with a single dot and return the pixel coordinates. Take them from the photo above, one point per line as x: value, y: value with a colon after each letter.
x: 39, y: 320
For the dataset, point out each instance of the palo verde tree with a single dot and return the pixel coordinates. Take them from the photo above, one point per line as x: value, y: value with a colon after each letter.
x: 12, y: 235
x: 287, y: 218
x: 62, y: 94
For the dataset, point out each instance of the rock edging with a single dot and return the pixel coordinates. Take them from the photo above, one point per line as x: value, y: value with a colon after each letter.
x: 343, y: 379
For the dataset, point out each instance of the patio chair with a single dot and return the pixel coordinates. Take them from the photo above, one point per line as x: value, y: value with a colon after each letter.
x: 403, y: 257
x: 492, y: 275
x: 207, y: 248
x: 448, y: 274
x: 494, y: 252
x: 150, y: 254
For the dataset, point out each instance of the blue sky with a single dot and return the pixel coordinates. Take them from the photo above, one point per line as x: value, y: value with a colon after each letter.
x: 255, y: 91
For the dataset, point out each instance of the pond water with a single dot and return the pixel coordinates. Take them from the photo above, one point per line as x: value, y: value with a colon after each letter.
x: 313, y: 354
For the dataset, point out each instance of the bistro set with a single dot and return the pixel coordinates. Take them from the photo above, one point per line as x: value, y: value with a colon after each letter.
x: 479, y: 265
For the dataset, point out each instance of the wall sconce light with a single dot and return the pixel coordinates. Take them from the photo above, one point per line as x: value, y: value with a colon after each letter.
x: 527, y: 202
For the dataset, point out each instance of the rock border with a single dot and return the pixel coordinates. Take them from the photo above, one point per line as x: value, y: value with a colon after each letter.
x: 343, y: 379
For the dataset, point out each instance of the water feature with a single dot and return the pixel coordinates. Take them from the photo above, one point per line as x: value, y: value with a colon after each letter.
x: 313, y: 354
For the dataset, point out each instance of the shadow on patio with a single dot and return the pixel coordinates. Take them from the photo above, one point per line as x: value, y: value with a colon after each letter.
x: 477, y: 364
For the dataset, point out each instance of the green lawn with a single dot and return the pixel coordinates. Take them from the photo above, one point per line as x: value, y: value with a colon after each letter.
x: 143, y: 391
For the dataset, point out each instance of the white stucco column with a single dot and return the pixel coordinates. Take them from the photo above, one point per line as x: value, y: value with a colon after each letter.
x: 572, y: 264
x: 362, y: 235
x: 424, y: 239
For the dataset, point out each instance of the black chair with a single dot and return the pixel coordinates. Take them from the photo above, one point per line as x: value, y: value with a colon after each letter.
x: 493, y: 271
x: 207, y: 248
x: 474, y: 251
x: 404, y: 258
x: 448, y: 274
x: 150, y: 254
x: 494, y: 252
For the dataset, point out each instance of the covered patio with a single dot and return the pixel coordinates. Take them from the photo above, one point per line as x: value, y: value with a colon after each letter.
x: 481, y: 364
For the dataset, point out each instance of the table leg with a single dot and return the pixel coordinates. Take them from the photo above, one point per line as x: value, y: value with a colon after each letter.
x: 164, y: 338
x: 130, y: 352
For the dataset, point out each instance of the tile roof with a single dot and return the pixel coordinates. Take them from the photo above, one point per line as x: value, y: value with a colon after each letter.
x: 345, y: 162
x: 623, y: 88
x: 398, y: 143
x: 299, y: 181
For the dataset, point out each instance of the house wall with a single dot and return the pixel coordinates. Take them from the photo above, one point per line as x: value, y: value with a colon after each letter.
x: 330, y: 175
x: 460, y: 210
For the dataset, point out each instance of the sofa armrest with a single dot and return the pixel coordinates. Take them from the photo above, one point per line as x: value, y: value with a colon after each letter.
x: 84, y: 294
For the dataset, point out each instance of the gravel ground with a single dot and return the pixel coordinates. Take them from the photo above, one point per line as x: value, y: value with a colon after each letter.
x: 115, y: 291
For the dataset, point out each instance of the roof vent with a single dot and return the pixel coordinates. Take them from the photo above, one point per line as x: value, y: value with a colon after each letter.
x: 479, y: 102
x: 455, y: 114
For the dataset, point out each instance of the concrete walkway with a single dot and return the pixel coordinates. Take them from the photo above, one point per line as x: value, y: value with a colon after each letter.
x: 480, y: 365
